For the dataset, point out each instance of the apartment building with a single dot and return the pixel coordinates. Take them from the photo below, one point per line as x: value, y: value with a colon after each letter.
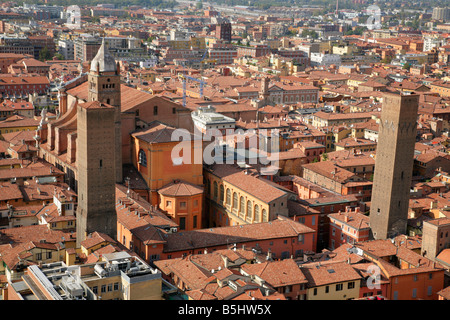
x: 118, y: 276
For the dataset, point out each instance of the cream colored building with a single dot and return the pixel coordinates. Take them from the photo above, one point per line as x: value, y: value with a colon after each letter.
x: 237, y: 197
x: 331, y: 281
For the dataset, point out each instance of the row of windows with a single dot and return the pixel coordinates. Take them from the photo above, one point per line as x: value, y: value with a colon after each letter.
x: 106, y: 288
x: 182, y: 204
x: 69, y: 224
x: 339, y: 287
x: 303, y: 219
x: 182, y: 222
x: 414, y: 292
x: 48, y: 255
x: 245, y: 210
x: 23, y: 86
x: 12, y: 130
x: 302, y: 98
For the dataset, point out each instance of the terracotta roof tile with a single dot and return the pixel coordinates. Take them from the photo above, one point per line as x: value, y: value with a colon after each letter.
x: 205, y: 238
x: 247, y: 182
x: 155, y: 132
x: 96, y: 238
x: 9, y: 191
x: 34, y: 233
x: 353, y: 219
x: 277, y: 273
x: 325, y: 273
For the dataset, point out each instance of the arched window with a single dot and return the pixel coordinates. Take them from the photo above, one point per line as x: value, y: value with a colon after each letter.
x: 241, y: 206
x: 221, y: 192
x: 155, y: 110
x: 256, y: 218
x: 264, y: 215
x: 142, y: 158
x: 228, y: 197
x: 249, y: 208
x: 216, y: 190
x: 235, y: 201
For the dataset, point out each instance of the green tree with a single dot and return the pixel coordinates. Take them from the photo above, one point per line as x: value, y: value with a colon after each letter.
x: 59, y: 56
x: 313, y: 34
x: 44, y: 54
x: 387, y: 60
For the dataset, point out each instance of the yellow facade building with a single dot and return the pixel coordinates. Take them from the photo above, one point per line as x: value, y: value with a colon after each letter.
x: 237, y: 197
x: 194, y: 42
x: 332, y: 281
x: 18, y: 123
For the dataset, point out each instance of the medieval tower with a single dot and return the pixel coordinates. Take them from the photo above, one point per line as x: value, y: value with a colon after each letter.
x: 104, y: 86
x: 96, y: 170
x: 393, y: 165
x: 264, y: 90
x: 99, y: 161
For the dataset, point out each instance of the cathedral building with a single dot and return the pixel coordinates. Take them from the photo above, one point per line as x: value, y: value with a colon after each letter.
x: 96, y: 133
x: 134, y: 110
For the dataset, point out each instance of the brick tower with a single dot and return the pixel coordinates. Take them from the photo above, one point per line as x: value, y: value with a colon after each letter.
x: 264, y: 90
x: 96, y: 170
x: 104, y: 86
x: 393, y: 165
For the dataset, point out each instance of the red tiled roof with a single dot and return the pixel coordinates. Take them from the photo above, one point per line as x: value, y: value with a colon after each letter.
x: 95, y: 105
x: 204, y: 238
x: 96, y: 238
x: 324, y: 273
x: 156, y: 132
x: 247, y: 182
x: 179, y: 189
x: 9, y: 191
x: 355, y: 220
x: 34, y: 233
x: 277, y: 273
x: 330, y: 170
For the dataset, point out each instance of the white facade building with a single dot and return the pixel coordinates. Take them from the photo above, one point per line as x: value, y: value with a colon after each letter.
x: 325, y: 59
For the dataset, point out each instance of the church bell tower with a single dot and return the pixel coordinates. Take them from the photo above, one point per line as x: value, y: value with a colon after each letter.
x: 104, y: 86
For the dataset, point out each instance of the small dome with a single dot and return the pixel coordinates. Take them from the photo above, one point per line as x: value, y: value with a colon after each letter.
x: 104, y: 60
